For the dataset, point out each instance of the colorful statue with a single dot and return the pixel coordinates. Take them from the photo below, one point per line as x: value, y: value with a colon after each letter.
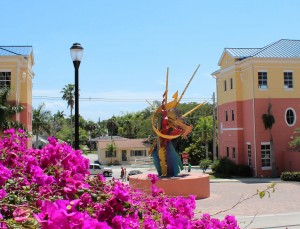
x: 168, y: 125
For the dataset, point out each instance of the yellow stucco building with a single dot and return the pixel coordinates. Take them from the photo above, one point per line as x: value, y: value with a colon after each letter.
x: 128, y: 151
x: 16, y: 64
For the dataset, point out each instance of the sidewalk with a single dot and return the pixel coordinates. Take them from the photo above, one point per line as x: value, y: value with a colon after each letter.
x: 247, y: 180
x: 280, y: 210
x: 284, y: 220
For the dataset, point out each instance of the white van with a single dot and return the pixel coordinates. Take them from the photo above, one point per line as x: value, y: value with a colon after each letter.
x: 99, y: 169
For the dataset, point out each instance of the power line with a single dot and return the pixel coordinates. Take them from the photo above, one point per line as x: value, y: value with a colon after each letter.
x: 94, y: 99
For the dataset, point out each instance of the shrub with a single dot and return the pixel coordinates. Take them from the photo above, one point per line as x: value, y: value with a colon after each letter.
x: 244, y: 171
x: 228, y: 167
x: 215, y: 165
x: 290, y: 176
x: 204, y: 164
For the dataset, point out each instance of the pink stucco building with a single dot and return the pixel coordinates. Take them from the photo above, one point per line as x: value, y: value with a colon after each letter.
x: 248, y: 81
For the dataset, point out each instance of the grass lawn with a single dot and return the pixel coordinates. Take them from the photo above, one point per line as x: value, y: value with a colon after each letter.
x: 213, y: 175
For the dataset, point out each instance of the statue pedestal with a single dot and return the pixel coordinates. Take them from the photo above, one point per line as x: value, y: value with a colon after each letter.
x: 184, y: 185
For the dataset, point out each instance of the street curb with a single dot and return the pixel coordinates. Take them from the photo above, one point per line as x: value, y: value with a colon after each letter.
x: 247, y: 180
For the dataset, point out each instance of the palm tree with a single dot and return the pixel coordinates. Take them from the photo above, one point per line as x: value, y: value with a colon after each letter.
x: 111, y: 148
x: 57, y: 122
x: 7, y: 111
x: 204, y: 132
x: 112, y: 126
x: 40, y: 121
x: 68, y: 95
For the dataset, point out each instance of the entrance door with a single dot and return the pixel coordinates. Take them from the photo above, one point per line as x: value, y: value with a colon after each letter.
x: 124, y: 155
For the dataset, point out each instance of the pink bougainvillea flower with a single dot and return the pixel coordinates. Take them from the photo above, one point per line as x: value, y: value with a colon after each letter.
x: 2, y: 193
x: 21, y: 214
x: 5, y: 174
x: 56, y: 183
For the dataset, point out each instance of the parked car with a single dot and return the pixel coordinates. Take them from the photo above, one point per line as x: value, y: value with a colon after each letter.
x: 133, y: 172
x: 97, y: 162
x: 99, y: 169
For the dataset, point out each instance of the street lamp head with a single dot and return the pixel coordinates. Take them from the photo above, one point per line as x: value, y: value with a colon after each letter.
x: 76, y: 52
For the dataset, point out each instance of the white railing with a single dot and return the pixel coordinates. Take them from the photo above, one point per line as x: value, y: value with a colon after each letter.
x: 141, y: 161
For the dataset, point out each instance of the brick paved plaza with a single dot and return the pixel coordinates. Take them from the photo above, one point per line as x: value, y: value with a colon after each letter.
x: 281, y: 209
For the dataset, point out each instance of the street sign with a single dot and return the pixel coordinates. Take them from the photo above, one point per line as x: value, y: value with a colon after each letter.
x: 185, y: 155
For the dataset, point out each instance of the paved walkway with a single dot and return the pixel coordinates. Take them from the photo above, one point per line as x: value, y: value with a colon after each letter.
x: 280, y: 210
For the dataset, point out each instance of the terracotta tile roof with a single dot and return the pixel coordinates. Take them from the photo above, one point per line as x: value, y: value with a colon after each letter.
x: 125, y: 143
x: 108, y: 138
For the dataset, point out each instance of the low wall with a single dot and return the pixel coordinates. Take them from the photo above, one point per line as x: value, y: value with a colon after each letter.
x: 184, y: 185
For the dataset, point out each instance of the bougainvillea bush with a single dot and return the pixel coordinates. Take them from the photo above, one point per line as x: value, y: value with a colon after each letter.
x: 51, y: 188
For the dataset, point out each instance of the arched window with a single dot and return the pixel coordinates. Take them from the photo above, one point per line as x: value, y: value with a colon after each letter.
x: 290, y: 117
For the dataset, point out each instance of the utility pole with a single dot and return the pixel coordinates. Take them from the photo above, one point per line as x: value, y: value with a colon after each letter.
x: 214, y: 129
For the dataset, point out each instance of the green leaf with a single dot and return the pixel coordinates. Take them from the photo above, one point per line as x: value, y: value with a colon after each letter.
x: 262, y: 194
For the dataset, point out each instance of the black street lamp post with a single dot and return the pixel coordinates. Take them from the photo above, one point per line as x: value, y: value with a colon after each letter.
x: 76, y: 54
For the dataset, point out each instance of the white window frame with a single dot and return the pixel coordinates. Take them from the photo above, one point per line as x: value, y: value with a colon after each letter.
x: 4, y: 80
x: 227, y: 152
x: 264, y: 82
x: 107, y: 154
x: 295, y: 116
x: 134, y: 153
x: 249, y: 154
x: 265, y: 158
x: 291, y: 81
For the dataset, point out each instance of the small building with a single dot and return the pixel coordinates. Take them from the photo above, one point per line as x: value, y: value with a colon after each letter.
x: 128, y: 151
x: 16, y: 73
x: 249, y: 82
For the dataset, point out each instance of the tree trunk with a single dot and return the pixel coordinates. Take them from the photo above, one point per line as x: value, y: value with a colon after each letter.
x: 37, y: 140
x: 206, y: 150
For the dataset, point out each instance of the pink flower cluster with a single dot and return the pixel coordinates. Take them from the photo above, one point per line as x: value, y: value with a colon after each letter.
x: 51, y: 188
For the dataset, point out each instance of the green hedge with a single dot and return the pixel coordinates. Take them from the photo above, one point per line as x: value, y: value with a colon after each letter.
x: 290, y: 176
x: 228, y: 167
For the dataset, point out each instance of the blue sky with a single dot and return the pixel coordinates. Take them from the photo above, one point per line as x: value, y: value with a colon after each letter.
x: 128, y: 46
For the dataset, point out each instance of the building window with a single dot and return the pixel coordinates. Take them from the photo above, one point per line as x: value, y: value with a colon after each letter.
x: 226, y: 116
x: 233, y: 152
x: 138, y: 153
x: 262, y: 80
x: 225, y: 85
x: 249, y: 155
x: 227, y: 151
x: 232, y: 115
x: 109, y: 154
x: 265, y: 150
x: 231, y: 83
x: 5, y: 79
x: 288, y: 79
x: 290, y: 117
